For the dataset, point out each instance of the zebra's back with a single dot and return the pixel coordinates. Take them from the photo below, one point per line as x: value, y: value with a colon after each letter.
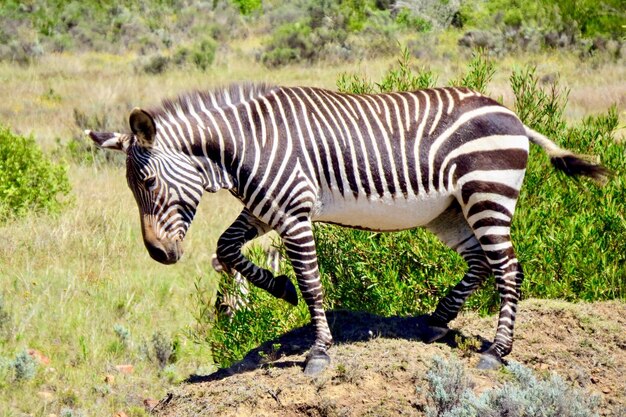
x: 396, y: 161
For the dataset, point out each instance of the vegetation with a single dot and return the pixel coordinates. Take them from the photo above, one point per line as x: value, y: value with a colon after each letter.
x: 263, y: 318
x: 29, y: 181
x: 307, y: 31
x: 418, y: 270
x: 67, y: 66
x: 523, y: 394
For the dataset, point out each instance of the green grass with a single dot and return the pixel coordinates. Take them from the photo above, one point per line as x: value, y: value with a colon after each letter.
x: 69, y: 281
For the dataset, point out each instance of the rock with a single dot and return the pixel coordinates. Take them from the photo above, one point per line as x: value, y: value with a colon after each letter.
x: 150, y: 403
x: 46, y: 396
x: 125, y: 368
x: 39, y: 357
x: 551, y: 39
x: 478, y: 39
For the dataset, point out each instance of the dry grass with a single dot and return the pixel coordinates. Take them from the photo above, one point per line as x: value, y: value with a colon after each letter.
x: 41, y: 98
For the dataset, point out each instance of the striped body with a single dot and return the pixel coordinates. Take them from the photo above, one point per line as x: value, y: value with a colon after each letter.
x: 361, y: 155
x: 448, y: 159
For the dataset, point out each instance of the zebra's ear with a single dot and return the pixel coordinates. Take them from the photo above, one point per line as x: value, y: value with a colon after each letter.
x: 142, y: 125
x: 110, y: 140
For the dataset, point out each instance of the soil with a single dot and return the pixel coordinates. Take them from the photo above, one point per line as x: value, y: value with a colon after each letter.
x: 379, y: 364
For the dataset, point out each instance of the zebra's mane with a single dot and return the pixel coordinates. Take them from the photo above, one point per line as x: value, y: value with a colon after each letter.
x: 216, y: 98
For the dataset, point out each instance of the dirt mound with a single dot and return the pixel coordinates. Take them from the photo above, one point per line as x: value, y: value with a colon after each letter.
x: 379, y: 364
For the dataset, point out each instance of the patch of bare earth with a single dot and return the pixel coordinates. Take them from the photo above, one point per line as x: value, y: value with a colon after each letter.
x: 379, y: 364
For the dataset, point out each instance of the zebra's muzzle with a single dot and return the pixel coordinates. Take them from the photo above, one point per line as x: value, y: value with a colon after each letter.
x: 168, y: 252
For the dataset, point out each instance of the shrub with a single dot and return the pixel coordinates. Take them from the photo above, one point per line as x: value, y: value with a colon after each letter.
x: 290, y: 43
x: 163, y: 349
x: 203, y: 53
x: 24, y: 366
x: 427, y: 13
x: 513, y: 25
x: 574, y: 252
x: 29, y: 181
x: 332, y: 31
x: 448, y: 388
x: 399, y: 78
x: 247, y: 7
x: 156, y: 64
x: 408, y: 20
x: 480, y: 71
x: 450, y: 395
x: 539, y: 109
x: 263, y: 318
x: 123, y: 335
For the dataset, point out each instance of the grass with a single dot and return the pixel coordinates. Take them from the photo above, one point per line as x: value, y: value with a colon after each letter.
x: 69, y: 281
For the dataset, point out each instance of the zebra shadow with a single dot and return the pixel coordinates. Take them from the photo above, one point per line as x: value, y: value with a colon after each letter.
x: 346, y: 327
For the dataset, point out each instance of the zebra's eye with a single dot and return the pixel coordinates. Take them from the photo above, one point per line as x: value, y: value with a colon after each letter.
x: 149, y: 183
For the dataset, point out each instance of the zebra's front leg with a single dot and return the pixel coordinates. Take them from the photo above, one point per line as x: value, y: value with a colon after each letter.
x: 229, y: 257
x: 300, y: 246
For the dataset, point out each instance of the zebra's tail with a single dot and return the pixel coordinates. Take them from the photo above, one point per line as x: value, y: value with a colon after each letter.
x: 569, y: 162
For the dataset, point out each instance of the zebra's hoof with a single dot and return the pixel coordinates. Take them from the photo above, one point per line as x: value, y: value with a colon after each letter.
x: 433, y: 332
x: 316, y: 361
x: 489, y: 362
x: 289, y: 293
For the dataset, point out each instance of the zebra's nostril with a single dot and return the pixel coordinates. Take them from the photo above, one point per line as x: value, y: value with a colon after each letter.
x: 157, y: 252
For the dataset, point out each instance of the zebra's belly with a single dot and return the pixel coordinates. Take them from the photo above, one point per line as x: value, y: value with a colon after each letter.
x: 383, y: 214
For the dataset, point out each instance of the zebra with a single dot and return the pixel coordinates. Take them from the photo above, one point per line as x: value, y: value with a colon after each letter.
x: 234, y: 295
x: 448, y: 159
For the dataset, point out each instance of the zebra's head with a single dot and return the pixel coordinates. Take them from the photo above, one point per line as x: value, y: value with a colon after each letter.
x: 166, y: 185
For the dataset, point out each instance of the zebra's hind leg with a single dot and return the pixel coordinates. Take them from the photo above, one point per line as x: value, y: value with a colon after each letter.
x: 229, y: 257
x: 452, y: 228
x: 490, y: 214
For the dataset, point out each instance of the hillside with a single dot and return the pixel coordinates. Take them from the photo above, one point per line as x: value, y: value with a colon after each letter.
x: 379, y: 365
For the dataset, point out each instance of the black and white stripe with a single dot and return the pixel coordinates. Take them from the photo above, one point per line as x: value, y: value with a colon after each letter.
x: 448, y: 159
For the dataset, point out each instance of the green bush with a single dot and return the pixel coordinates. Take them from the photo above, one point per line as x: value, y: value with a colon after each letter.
x: 584, y: 18
x: 263, y: 318
x: 480, y: 71
x: 290, y: 43
x: 409, y: 21
x: 399, y: 78
x: 247, y: 7
x: 143, y: 26
x: 29, y: 181
x: 332, y: 31
x: 203, y: 53
x: 24, y: 366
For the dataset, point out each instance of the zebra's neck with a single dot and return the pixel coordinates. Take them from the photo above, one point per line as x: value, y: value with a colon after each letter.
x: 193, y: 141
x: 208, y: 127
